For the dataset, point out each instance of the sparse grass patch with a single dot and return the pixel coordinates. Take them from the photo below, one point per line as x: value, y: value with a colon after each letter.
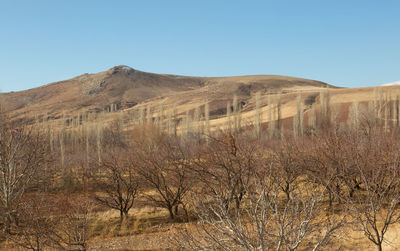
x: 141, y: 220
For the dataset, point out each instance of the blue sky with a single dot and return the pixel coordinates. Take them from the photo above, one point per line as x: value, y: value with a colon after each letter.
x: 347, y: 43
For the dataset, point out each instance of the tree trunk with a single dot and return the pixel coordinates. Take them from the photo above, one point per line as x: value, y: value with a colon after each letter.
x: 171, y: 213
x: 7, y: 223
x: 186, y: 212
x: 121, y: 215
x: 126, y: 214
x: 287, y: 191
x: 330, y: 198
x: 237, y: 203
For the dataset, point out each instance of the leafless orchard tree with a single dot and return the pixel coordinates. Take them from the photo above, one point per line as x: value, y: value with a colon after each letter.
x: 116, y: 181
x: 75, y: 221
x: 164, y: 167
x: 266, y: 221
x: 326, y: 160
x: 287, y: 168
x: 46, y: 221
x: 375, y: 206
x: 37, y: 228
x: 23, y: 152
x: 224, y: 169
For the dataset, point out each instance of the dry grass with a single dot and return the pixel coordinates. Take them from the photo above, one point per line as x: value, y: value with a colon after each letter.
x: 147, y: 228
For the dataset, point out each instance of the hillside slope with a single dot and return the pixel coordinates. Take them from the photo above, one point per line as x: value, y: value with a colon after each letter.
x: 122, y: 87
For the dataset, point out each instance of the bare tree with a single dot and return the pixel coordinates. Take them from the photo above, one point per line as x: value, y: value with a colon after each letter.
x: 266, y: 221
x: 375, y: 206
x: 287, y: 167
x: 74, y: 221
x: 224, y: 169
x: 257, y: 116
x: 164, y: 167
x: 46, y: 221
x: 327, y: 163
x: 37, y: 226
x: 117, y: 182
x: 22, y: 153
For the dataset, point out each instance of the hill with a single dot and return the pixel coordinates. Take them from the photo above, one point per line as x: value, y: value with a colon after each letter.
x: 124, y: 88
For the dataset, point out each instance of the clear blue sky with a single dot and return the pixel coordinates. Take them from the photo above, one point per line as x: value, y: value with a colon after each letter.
x: 346, y: 43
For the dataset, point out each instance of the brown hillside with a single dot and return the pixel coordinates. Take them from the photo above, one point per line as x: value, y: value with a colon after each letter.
x: 125, y: 88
